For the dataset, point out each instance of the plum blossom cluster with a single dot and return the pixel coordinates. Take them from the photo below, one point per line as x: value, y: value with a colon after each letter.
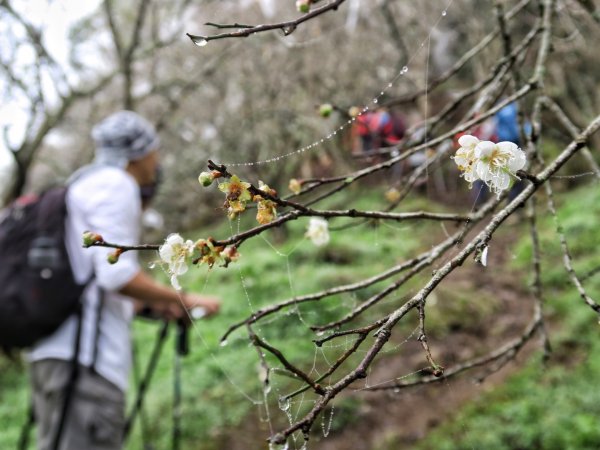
x: 238, y: 194
x: 178, y: 253
x: 496, y: 164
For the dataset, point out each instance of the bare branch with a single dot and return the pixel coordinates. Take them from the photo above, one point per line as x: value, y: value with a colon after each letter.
x: 247, y: 30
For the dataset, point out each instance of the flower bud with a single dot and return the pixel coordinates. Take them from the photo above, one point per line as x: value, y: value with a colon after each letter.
x: 354, y: 111
x: 392, y: 195
x: 325, y: 109
x: 303, y: 6
x: 206, y: 178
x: 113, y: 257
x: 265, y: 188
x: 90, y: 238
x: 295, y: 186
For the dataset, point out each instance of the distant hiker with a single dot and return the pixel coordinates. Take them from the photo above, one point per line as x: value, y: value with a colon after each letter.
x: 373, y: 130
x: 80, y: 373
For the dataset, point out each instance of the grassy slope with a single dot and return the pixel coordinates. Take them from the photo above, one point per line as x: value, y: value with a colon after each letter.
x: 552, y: 406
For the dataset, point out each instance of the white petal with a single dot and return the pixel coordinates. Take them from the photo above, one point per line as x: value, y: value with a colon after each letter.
x: 320, y: 239
x: 175, y: 283
x: 470, y: 176
x: 484, y: 149
x: 178, y: 267
x: 517, y: 162
x: 483, y: 171
x: 466, y: 140
x: 484, y: 255
x: 507, y: 146
x: 173, y: 239
x: 165, y: 252
x: 502, y: 181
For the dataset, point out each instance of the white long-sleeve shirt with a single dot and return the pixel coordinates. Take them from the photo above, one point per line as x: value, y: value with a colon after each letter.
x: 105, y: 200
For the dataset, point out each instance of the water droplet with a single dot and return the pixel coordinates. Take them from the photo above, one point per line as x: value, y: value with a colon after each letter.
x: 223, y: 343
x: 284, y: 403
x: 375, y: 100
x: 152, y: 265
x: 444, y: 12
x: 404, y: 70
x: 199, y: 41
x: 267, y: 388
x: 390, y: 85
x: 320, y: 333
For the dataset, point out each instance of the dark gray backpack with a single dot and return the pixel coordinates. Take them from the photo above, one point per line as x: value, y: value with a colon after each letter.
x: 37, y: 289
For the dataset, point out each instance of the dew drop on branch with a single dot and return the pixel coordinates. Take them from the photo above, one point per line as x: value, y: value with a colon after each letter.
x: 199, y: 41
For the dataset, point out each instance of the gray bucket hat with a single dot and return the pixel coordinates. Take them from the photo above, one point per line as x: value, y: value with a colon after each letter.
x: 122, y: 137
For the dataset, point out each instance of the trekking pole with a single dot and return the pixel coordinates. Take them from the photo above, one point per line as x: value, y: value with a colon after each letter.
x: 137, y: 380
x: 162, y: 334
x: 181, y: 349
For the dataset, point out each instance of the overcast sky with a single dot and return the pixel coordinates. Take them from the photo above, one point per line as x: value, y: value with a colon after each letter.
x: 55, y: 18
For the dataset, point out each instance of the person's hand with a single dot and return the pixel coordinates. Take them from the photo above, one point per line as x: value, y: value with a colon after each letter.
x: 211, y: 305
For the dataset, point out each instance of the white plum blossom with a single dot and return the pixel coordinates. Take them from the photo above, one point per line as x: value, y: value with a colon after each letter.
x: 496, y: 164
x: 176, y: 252
x: 465, y: 156
x: 318, y: 231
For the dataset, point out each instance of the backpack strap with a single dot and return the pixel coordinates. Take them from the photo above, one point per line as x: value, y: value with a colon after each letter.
x: 47, y: 216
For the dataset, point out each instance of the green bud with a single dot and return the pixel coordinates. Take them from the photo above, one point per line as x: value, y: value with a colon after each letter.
x: 325, y: 110
x: 90, y: 238
x: 206, y: 178
x: 303, y: 6
x: 113, y: 257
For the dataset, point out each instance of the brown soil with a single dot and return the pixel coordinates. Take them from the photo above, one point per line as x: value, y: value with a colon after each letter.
x: 386, y: 420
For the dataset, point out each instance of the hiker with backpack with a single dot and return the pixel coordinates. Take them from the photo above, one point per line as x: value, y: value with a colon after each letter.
x: 80, y: 372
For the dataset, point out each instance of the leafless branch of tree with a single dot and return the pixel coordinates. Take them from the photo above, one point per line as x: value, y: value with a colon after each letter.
x: 287, y: 27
